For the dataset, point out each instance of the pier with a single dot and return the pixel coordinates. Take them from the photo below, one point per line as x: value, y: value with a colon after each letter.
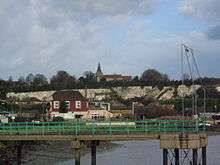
x: 187, y: 136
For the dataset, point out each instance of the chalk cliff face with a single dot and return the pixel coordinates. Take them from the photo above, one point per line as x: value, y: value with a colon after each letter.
x: 218, y: 89
x: 123, y: 92
x: 183, y: 90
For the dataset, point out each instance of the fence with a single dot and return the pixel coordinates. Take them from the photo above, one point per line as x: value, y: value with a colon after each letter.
x: 102, y: 127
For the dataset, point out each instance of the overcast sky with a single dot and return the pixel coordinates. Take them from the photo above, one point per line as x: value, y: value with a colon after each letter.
x: 126, y: 36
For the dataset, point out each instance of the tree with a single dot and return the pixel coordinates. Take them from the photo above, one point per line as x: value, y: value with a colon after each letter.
x: 152, y: 75
x: 186, y: 77
x: 63, y: 107
x: 29, y: 79
x: 39, y: 80
x: 89, y: 76
x: 136, y: 79
x: 21, y: 80
x: 165, y: 77
x: 62, y: 80
x: 10, y: 79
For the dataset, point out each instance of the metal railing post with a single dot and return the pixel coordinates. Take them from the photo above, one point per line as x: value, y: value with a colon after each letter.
x: 160, y: 126
x: 76, y: 131
x: 127, y: 126
x: 26, y: 130
x: 197, y: 126
x: 10, y: 128
x: 43, y: 128
x: 110, y: 127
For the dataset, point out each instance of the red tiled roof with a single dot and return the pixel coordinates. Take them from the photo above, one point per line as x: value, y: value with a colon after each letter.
x: 68, y: 95
x: 117, y: 76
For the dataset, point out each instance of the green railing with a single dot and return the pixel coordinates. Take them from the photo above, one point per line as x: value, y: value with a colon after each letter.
x: 102, y: 127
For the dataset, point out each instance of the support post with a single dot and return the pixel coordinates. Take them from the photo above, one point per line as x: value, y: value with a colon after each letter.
x: 165, y: 157
x: 195, y: 156
x: 176, y: 152
x: 77, y: 156
x: 93, y: 152
x: 204, y: 160
x: 76, y: 146
x: 19, y: 152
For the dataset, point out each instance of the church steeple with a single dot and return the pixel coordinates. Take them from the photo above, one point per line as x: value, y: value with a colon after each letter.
x: 99, y: 70
x: 99, y: 73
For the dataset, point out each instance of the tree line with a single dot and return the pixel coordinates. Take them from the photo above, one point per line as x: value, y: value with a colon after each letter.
x: 63, y: 80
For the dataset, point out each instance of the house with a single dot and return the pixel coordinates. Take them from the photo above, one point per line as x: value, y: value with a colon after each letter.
x: 97, y: 114
x: 99, y: 105
x: 6, y: 116
x: 75, y: 102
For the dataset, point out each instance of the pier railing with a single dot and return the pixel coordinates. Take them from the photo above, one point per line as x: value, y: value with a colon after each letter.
x: 108, y: 127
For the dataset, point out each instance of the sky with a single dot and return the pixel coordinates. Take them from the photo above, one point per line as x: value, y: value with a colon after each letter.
x: 125, y: 36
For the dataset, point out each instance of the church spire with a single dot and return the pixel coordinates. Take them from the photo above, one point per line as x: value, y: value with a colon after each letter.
x: 99, y: 70
x: 99, y: 73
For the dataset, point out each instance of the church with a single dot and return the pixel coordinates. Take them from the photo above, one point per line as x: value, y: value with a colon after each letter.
x: 111, y: 77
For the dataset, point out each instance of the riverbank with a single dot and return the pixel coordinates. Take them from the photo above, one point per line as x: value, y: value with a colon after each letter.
x: 38, y: 153
x: 54, y: 152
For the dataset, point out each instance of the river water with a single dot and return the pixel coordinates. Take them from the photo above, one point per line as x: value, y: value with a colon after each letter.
x: 144, y: 153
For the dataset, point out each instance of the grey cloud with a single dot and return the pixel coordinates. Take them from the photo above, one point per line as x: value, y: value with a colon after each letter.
x: 214, y: 33
x: 103, y: 7
x: 86, y: 10
x: 206, y: 10
x: 44, y: 36
x: 203, y: 9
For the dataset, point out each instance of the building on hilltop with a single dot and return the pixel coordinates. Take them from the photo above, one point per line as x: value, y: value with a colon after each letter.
x: 111, y: 77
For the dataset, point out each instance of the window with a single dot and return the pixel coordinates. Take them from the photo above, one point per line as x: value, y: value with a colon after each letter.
x: 95, y: 116
x: 56, y: 104
x: 78, y: 104
x: 68, y: 104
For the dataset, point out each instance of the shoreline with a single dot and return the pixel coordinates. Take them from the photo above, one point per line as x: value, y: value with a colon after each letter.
x: 59, y: 151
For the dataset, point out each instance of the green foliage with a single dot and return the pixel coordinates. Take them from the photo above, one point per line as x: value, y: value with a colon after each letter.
x: 89, y: 77
x: 58, y: 119
x: 39, y: 80
x: 212, y: 105
x: 135, y: 79
x: 154, y: 75
x: 62, y: 80
x: 63, y: 107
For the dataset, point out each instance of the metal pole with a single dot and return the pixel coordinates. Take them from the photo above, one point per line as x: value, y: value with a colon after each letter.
x: 204, y: 159
x: 187, y: 49
x: 176, y: 152
x: 195, y: 156
x: 93, y: 152
x: 19, y: 152
x: 165, y: 157
x: 194, y: 90
x: 182, y: 72
x: 77, y: 156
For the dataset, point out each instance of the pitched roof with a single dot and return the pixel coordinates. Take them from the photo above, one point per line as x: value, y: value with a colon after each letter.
x: 68, y: 95
x: 30, y: 99
x: 118, y: 76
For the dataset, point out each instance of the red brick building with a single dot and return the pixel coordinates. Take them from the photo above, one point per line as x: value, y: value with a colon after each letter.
x: 74, y: 100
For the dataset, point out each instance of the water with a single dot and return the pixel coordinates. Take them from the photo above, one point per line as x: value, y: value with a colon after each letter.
x: 144, y: 153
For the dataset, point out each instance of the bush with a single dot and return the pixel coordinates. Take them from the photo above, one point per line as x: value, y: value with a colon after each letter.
x: 58, y: 119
